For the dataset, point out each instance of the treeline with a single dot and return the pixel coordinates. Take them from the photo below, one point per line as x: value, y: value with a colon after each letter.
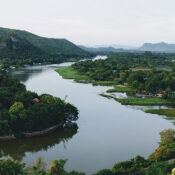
x: 24, y: 111
x: 147, y: 73
x: 19, y: 62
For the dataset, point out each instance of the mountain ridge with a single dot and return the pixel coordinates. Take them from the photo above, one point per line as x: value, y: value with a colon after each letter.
x: 158, y: 47
x: 12, y: 42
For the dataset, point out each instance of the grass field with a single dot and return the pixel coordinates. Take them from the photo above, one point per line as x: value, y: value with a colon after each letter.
x: 141, y: 101
x: 169, y: 113
x: 69, y: 73
x: 145, y: 101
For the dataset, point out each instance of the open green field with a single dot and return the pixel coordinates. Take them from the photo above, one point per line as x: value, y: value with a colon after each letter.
x: 121, y: 89
x: 170, y: 113
x: 70, y: 73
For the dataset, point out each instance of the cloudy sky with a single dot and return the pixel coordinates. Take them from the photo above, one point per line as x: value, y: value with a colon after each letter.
x: 93, y: 22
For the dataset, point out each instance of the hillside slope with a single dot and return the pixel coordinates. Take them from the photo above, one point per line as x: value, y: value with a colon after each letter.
x: 19, y: 43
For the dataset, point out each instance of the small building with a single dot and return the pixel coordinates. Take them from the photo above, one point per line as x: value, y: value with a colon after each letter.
x: 36, y: 100
x: 160, y: 95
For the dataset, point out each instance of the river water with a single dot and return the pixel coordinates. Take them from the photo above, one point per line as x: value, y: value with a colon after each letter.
x: 108, y: 131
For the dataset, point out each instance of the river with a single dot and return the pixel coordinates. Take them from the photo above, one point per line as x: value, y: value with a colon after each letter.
x: 108, y: 131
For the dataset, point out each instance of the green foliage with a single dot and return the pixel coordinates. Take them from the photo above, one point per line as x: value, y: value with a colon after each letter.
x: 145, y: 101
x: 131, y: 166
x: 21, y: 47
x: 159, y: 168
x: 16, y: 108
x: 138, y: 70
x: 166, y: 149
x: 75, y: 173
x: 167, y: 136
x: 10, y: 167
x: 70, y: 73
x: 57, y: 167
x: 104, y: 172
x: 24, y: 111
x: 170, y: 113
x: 161, y: 153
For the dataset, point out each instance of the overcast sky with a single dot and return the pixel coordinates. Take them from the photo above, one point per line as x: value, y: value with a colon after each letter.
x: 93, y: 22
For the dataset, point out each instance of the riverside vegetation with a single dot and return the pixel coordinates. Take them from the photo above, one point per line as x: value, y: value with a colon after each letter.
x: 150, y: 74
x: 158, y: 163
x: 17, y: 103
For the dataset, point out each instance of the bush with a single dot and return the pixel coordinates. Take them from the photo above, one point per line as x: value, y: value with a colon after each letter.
x: 167, y: 136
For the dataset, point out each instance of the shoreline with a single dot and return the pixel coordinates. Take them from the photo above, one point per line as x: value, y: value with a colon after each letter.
x: 33, y: 134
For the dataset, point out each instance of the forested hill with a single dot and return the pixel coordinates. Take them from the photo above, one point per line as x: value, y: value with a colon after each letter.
x: 18, y: 43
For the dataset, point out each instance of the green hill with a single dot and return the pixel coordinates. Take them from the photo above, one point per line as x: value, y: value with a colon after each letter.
x: 22, y: 44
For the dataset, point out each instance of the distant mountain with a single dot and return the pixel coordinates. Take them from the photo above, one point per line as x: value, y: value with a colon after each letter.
x: 118, y: 46
x: 101, y: 50
x: 158, y: 47
x: 17, y: 43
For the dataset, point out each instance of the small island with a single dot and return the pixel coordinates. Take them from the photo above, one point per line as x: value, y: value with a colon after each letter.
x: 26, y: 114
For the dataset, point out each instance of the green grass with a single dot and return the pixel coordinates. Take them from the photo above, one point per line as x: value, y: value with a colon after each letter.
x: 145, y: 101
x: 170, y: 113
x: 141, y: 101
x: 70, y: 73
x: 121, y: 89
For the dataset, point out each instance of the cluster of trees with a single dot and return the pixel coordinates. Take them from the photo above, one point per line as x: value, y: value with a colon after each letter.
x: 166, y: 149
x: 136, y: 166
x: 24, y: 111
x: 149, y: 78
x: 56, y: 167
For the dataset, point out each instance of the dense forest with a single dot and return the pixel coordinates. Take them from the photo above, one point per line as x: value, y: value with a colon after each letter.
x: 24, y: 111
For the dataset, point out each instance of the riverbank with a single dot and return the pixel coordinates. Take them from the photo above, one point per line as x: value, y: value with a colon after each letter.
x: 141, y: 101
x: 169, y: 113
x: 70, y: 73
x: 121, y: 89
x: 33, y: 134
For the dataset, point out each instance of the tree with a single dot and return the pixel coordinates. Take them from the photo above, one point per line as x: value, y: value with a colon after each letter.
x: 167, y: 136
x: 57, y: 167
x: 16, y: 108
x: 12, y: 167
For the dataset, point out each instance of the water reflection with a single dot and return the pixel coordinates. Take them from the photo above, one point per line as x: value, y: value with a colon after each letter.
x: 17, y: 148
